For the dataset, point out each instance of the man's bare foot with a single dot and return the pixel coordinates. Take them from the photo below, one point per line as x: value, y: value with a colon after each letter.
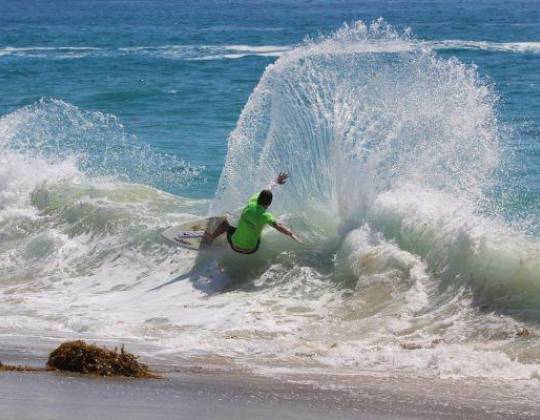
x: 206, y: 240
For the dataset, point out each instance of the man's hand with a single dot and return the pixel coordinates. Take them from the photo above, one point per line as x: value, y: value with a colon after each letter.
x: 296, y: 238
x: 282, y: 178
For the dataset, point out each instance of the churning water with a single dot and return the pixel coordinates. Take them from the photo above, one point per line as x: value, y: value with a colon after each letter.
x: 412, y: 262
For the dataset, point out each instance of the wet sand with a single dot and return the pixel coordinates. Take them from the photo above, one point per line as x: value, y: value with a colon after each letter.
x: 199, y: 393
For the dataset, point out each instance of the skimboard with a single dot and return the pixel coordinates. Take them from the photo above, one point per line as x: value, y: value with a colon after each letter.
x: 190, y: 235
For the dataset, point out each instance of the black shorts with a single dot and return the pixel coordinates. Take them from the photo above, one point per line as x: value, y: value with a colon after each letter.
x: 230, y: 233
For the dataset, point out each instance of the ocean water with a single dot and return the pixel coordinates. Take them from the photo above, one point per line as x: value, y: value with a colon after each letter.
x: 411, y: 132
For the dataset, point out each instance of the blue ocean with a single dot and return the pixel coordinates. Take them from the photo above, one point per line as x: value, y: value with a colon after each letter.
x: 411, y: 134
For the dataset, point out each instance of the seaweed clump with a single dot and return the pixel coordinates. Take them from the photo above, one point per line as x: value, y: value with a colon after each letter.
x: 77, y: 356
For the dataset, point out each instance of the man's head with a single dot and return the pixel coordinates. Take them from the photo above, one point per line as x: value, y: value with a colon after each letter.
x: 265, y: 198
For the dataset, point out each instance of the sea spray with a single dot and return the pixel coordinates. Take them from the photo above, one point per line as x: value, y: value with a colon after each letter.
x: 353, y: 115
x: 376, y: 129
x: 98, y: 143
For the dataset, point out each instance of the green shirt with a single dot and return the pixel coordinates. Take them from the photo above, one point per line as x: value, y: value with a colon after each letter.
x: 252, y: 221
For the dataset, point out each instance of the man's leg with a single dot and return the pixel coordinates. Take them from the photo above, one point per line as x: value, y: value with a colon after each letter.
x: 209, y: 237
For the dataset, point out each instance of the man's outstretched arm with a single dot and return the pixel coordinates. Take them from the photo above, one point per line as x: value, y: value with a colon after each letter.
x: 286, y: 231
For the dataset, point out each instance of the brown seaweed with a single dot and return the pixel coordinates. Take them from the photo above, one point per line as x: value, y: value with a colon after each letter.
x: 78, y: 356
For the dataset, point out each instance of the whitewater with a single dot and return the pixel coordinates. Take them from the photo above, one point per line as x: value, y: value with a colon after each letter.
x: 411, y: 264
x: 231, y: 52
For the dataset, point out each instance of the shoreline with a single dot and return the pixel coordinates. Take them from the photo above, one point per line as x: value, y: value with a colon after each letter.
x: 198, y: 390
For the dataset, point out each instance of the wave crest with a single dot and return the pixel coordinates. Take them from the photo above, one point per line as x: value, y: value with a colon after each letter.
x: 97, y: 143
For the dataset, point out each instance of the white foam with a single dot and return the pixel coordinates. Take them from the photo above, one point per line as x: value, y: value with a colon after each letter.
x: 513, y: 47
x: 461, y: 246
x: 208, y: 52
x: 259, y: 48
x: 49, y: 52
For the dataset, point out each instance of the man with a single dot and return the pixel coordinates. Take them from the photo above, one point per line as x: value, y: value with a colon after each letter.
x: 245, y: 238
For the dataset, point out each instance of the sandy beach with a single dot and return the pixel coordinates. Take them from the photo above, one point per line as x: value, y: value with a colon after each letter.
x: 206, y: 392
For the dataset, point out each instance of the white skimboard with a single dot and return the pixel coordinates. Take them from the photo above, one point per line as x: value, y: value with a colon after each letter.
x: 189, y: 235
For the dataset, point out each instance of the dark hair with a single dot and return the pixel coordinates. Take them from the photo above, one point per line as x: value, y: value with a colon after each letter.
x: 265, y: 198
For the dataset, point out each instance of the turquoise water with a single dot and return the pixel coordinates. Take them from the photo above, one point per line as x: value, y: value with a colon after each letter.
x: 411, y: 134
x: 170, y: 73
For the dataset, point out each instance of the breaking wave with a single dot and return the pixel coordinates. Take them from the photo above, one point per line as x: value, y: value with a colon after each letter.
x: 392, y: 152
